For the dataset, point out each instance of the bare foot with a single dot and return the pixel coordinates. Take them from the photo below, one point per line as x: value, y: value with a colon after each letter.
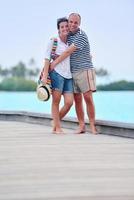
x: 93, y: 129
x: 81, y: 130
x: 58, y: 132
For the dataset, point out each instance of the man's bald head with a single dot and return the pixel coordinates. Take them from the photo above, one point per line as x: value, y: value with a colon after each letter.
x: 76, y: 14
x: 74, y: 22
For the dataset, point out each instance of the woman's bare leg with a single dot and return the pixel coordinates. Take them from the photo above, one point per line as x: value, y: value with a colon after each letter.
x: 68, y: 102
x: 56, y: 97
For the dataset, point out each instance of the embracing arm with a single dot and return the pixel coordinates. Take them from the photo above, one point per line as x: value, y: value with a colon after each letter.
x: 64, y: 55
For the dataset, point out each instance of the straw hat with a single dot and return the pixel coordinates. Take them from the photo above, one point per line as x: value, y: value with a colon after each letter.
x: 43, y: 92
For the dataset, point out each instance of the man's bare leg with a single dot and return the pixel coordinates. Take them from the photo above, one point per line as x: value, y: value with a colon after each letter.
x: 90, y: 110
x: 80, y: 112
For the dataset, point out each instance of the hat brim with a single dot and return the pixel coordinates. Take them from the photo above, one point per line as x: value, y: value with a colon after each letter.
x: 43, y: 92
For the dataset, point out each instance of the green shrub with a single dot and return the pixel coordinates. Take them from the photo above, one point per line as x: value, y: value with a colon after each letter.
x: 120, y: 85
x: 17, y: 84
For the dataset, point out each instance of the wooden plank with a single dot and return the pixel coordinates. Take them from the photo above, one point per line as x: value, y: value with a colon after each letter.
x: 38, y: 165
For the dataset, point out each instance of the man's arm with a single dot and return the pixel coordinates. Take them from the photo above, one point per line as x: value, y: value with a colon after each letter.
x: 64, y: 55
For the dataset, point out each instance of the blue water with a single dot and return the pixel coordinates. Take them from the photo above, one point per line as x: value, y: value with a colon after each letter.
x: 113, y: 106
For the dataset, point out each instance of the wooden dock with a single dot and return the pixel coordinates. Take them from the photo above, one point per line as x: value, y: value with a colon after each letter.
x: 38, y: 165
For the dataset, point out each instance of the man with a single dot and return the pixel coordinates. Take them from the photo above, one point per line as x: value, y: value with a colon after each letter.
x: 82, y: 71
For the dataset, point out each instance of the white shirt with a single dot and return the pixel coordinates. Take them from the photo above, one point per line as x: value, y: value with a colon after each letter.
x: 63, y: 68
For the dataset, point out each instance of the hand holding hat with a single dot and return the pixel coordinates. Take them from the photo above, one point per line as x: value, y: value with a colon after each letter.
x: 43, y: 91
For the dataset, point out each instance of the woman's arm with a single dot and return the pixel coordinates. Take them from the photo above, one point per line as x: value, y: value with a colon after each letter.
x: 45, y: 71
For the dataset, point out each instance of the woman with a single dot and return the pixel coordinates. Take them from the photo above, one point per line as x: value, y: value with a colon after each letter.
x: 61, y: 78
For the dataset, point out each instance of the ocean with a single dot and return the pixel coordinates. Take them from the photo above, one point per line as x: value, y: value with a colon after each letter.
x: 109, y: 105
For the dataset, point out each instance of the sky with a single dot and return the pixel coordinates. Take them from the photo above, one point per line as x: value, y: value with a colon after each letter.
x: 27, y: 25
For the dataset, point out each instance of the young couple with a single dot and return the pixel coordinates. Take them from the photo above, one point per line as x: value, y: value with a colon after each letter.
x: 72, y: 73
